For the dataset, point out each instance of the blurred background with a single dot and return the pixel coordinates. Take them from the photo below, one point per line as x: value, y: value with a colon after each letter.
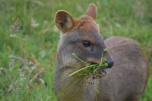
x: 29, y: 39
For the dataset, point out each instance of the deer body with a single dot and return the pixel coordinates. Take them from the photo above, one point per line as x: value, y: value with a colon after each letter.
x: 125, y: 81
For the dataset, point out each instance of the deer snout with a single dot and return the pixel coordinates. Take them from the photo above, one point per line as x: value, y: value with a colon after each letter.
x: 110, y: 62
x: 94, y: 61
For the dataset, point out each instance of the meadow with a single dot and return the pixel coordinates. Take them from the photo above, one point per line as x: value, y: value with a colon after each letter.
x: 29, y: 39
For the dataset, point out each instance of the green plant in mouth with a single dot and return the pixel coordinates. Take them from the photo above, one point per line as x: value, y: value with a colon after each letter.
x: 92, y: 70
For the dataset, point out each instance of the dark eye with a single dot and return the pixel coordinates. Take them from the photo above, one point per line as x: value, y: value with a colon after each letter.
x: 86, y: 43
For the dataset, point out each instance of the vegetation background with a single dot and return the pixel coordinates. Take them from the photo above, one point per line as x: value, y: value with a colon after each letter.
x: 29, y: 39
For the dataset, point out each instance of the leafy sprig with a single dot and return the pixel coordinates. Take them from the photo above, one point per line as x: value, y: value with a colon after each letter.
x: 93, y: 70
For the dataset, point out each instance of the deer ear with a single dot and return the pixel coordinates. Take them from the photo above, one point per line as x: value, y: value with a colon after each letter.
x: 91, y: 11
x: 64, y: 21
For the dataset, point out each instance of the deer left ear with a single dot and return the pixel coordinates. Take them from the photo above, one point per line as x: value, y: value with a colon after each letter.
x: 91, y: 11
x: 64, y: 21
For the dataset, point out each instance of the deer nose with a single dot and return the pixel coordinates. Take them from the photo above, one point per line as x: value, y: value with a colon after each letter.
x: 110, y: 63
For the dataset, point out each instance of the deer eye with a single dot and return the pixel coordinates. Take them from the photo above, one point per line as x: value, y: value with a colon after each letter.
x: 86, y: 43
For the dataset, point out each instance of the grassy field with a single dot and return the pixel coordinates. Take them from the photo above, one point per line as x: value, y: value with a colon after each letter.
x: 29, y: 38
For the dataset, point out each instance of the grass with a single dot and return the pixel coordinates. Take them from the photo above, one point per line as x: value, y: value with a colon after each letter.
x: 28, y: 32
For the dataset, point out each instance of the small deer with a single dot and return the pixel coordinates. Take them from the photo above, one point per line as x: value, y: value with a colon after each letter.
x: 125, y: 81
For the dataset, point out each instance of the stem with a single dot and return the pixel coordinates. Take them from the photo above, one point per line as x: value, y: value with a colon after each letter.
x: 80, y: 59
x: 78, y: 71
x: 96, y: 69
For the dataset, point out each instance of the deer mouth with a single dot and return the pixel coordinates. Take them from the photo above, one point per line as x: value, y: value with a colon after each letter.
x: 103, y: 71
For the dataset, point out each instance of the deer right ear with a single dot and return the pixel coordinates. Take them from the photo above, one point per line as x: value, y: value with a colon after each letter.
x: 64, y: 21
x: 91, y: 11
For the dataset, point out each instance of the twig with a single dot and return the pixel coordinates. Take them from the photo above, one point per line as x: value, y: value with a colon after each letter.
x: 19, y: 59
x: 37, y: 74
x: 11, y: 87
